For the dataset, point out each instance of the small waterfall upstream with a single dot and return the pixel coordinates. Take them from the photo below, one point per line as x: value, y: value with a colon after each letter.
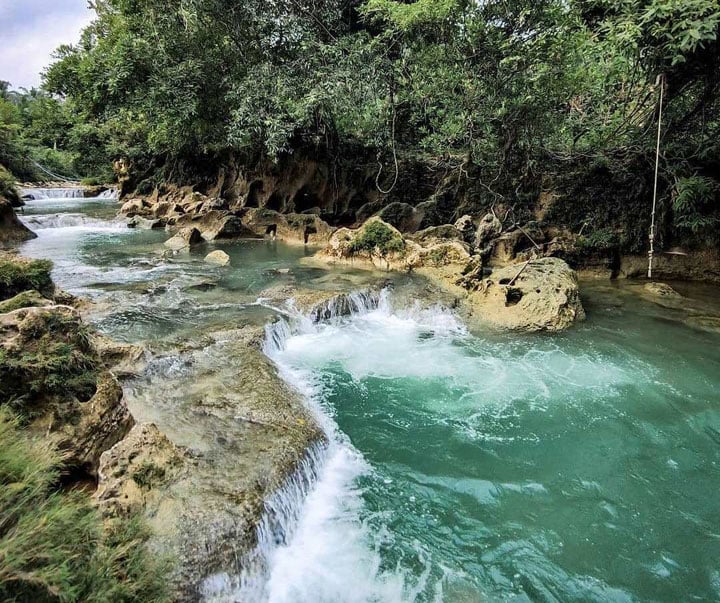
x: 73, y: 192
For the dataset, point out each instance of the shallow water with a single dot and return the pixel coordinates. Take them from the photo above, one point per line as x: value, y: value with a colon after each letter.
x: 462, y: 467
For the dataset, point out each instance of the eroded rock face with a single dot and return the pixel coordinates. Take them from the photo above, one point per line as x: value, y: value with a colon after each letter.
x: 184, y: 239
x: 305, y: 229
x: 58, y: 382
x: 537, y: 295
x: 12, y: 231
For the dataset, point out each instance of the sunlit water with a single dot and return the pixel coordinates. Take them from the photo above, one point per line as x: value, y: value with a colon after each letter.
x: 461, y: 467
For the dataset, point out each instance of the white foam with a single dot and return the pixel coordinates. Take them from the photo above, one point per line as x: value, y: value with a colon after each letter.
x: 77, y: 222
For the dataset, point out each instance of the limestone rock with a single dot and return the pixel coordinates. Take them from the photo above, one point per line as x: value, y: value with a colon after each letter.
x: 145, y: 223
x: 122, y: 359
x: 466, y: 227
x: 489, y: 228
x: 55, y: 375
x: 135, y: 207
x: 218, y: 257
x: 306, y: 229
x: 184, y: 239
x: 132, y: 473
x: 25, y: 299
x: 538, y: 295
x: 661, y: 290
x: 12, y: 230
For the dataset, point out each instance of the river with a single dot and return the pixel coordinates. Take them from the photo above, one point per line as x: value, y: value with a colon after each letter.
x: 462, y: 467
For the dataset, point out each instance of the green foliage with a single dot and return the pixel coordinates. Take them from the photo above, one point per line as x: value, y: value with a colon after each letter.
x: 696, y: 206
x: 53, y: 545
x: 51, y: 358
x: 26, y: 299
x: 18, y: 275
x: 377, y: 238
x: 148, y: 474
x: 7, y: 187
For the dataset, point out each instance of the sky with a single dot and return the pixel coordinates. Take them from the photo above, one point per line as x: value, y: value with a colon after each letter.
x: 31, y: 30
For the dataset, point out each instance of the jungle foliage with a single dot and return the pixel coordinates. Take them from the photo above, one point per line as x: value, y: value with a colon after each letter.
x: 499, y: 96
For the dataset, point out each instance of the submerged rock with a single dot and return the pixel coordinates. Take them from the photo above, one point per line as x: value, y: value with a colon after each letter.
x: 537, y: 295
x: 661, y: 290
x: 218, y: 257
x: 12, y: 230
x: 184, y: 239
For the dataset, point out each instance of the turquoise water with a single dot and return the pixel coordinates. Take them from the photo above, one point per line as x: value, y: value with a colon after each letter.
x: 462, y: 467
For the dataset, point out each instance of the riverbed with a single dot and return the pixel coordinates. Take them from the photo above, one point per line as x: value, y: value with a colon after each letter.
x: 462, y: 466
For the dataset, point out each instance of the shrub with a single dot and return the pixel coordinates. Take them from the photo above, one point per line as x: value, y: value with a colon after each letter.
x: 92, y: 181
x: 18, y: 275
x: 7, y: 188
x: 53, y: 544
x: 377, y: 237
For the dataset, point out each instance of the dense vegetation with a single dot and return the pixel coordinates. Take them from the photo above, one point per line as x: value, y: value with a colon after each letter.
x: 53, y: 545
x: 496, y: 100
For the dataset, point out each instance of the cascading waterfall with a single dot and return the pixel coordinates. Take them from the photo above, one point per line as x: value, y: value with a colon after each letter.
x: 321, y: 496
x: 66, y: 220
x: 39, y: 194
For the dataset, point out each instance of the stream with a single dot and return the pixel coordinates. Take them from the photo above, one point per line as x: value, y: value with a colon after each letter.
x: 462, y: 467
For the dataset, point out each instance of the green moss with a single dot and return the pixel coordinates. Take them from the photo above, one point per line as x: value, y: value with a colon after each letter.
x: 18, y: 275
x: 50, y: 358
x: 26, y: 299
x: 148, y: 474
x: 54, y: 545
x: 377, y: 238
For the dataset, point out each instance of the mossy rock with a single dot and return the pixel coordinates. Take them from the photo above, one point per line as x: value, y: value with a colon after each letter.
x: 46, y: 354
x: 18, y: 275
x: 26, y: 299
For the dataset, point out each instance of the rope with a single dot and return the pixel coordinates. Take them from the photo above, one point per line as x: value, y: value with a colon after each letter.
x: 397, y: 169
x: 661, y: 82
x: 49, y: 173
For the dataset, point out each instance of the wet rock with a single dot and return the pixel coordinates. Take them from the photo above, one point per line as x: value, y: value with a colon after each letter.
x: 437, y: 234
x: 400, y: 215
x: 218, y: 257
x: 184, y: 239
x: 705, y: 323
x: 145, y: 223
x: 661, y: 290
x: 122, y: 359
x: 537, y: 295
x: 133, y: 473
x: 12, y: 230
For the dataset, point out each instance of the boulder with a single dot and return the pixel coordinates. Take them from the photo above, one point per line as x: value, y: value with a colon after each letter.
x: 466, y: 226
x: 136, y: 207
x: 436, y: 234
x: 145, y: 223
x: 19, y: 274
x: 537, y: 295
x: 489, y: 228
x: 184, y: 239
x: 12, y: 230
x: 218, y: 257
x: 661, y: 290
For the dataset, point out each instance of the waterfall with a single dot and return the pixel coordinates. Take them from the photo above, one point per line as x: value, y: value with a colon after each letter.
x: 38, y: 194
x: 75, y: 192
x: 43, y: 222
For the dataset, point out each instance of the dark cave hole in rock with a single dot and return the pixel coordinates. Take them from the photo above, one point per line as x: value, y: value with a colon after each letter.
x: 512, y: 296
x: 253, y: 196
x: 305, y: 199
x: 271, y: 231
x: 504, y: 281
x: 275, y: 202
x: 308, y: 231
x: 79, y: 477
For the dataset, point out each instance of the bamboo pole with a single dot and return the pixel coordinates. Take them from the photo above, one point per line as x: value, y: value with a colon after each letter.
x: 661, y: 82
